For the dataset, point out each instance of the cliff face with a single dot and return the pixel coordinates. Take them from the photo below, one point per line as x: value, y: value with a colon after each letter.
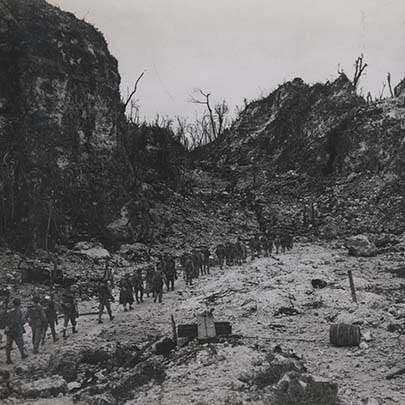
x: 59, y: 112
x: 319, y: 145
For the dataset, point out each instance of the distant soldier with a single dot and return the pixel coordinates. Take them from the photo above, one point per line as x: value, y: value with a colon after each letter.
x: 170, y: 271
x: 137, y: 285
x: 284, y: 242
x: 267, y: 244
x: 105, y: 298
x: 37, y: 320
x: 255, y: 247
x: 188, y: 269
x: 149, y: 280
x: 14, y: 330
x: 205, y: 254
x: 126, y: 292
x: 56, y: 274
x: 277, y: 243
x: 51, y: 317
x: 69, y: 309
x: 157, y: 285
x: 220, y: 252
x: 197, y: 262
x: 290, y: 241
x: 229, y: 253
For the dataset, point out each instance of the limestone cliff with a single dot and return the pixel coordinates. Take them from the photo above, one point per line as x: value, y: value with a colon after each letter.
x: 59, y: 110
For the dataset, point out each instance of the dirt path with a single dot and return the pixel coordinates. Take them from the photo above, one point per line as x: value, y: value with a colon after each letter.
x: 249, y: 296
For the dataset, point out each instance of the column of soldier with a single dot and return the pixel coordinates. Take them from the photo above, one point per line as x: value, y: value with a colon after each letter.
x: 42, y: 312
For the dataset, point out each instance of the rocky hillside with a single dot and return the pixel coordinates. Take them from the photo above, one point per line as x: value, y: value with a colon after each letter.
x: 59, y: 109
x: 318, y: 151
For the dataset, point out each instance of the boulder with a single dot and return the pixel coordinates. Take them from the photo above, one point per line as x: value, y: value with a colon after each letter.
x: 304, y: 389
x: 92, y: 250
x: 360, y: 246
x: 136, y: 252
x: 43, y: 388
x: 120, y: 229
x: 164, y: 346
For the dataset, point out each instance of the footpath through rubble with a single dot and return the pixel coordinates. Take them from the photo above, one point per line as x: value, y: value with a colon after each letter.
x: 279, y: 353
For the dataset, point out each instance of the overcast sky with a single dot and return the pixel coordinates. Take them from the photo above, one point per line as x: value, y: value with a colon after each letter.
x: 243, y: 48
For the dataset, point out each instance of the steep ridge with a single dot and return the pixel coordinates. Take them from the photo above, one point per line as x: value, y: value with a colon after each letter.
x: 320, y: 148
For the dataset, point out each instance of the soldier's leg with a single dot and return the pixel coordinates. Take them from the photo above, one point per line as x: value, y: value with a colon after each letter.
x: 108, y: 307
x: 44, y: 330
x: 53, y: 331
x: 65, y: 323
x: 100, y: 312
x: 9, y: 346
x: 73, y: 322
x: 20, y: 344
x: 160, y: 294
x: 36, y: 337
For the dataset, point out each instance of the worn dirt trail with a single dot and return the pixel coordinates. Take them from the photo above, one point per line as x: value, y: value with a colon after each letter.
x: 249, y: 296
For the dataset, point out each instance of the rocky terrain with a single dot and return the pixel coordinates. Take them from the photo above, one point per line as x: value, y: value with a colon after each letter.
x: 117, y: 361
x: 82, y: 184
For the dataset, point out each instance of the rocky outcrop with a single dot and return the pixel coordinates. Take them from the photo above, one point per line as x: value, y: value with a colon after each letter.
x: 59, y: 114
x: 317, y: 158
x: 360, y: 246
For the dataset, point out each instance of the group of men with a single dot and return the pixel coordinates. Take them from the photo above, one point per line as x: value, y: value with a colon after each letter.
x: 268, y: 242
x: 41, y: 314
x: 133, y: 287
x: 195, y: 263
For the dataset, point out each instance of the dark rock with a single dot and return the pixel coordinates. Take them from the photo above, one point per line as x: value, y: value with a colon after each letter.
x: 318, y: 283
x: 360, y: 246
x: 43, y: 388
x: 164, y: 346
x: 302, y: 389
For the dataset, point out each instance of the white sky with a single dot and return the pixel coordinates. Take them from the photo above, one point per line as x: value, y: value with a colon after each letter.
x: 243, y: 48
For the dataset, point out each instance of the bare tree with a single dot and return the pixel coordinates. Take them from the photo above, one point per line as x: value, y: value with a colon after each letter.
x: 359, y: 66
x: 212, y: 123
x: 206, y: 101
x: 382, y: 90
x: 389, y: 84
x: 221, y: 110
x: 134, y: 90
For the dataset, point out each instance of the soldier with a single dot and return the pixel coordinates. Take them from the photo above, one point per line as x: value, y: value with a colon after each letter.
x: 14, y: 330
x: 229, y: 251
x: 137, y: 285
x: 205, y: 254
x: 197, y: 262
x: 290, y: 241
x: 148, y: 280
x: 284, y: 242
x: 157, y: 284
x: 37, y: 320
x: 51, y: 317
x: 220, y: 252
x: 277, y: 243
x: 126, y: 292
x: 255, y: 247
x: 170, y: 271
x: 69, y: 309
x: 188, y: 269
x: 267, y: 244
x: 105, y: 298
